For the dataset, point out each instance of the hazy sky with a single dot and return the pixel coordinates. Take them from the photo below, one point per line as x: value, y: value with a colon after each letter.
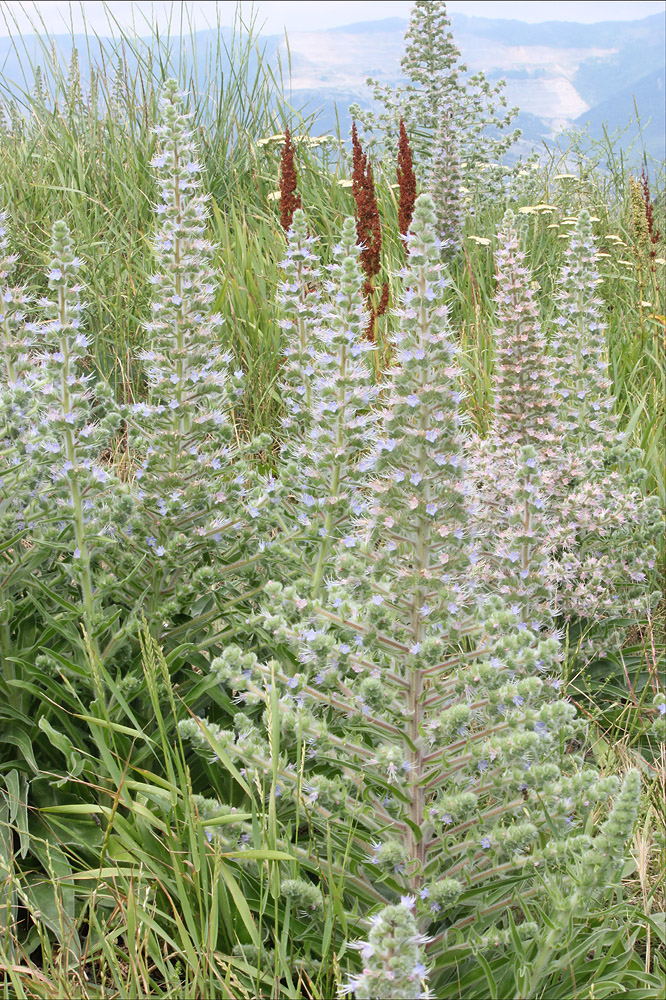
x: 276, y: 15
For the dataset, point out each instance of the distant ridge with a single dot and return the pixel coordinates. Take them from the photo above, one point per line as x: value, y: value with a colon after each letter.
x: 559, y: 73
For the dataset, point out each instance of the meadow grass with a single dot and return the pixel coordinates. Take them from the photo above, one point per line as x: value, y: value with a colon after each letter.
x: 111, y: 888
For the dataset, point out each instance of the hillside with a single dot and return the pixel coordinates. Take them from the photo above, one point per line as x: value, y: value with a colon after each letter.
x: 558, y: 73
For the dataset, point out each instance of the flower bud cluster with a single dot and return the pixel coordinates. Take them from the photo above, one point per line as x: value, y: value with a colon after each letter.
x: 393, y: 957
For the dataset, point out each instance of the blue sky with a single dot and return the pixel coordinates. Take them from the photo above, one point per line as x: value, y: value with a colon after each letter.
x: 292, y: 15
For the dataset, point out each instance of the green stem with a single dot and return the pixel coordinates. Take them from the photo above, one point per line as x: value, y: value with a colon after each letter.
x: 74, y: 489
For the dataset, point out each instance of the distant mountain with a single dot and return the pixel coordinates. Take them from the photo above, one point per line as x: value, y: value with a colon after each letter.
x: 558, y: 73
x: 619, y: 110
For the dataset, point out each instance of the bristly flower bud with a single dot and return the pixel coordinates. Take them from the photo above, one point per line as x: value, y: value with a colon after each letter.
x: 393, y: 957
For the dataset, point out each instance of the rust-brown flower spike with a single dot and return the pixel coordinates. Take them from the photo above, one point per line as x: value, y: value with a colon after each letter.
x: 406, y: 184
x: 653, y: 232
x: 289, y: 198
x: 368, y: 230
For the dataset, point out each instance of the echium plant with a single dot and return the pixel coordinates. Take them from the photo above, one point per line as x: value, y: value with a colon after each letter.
x: 298, y: 298
x: 18, y: 477
x: 414, y: 731
x: 525, y: 376
x: 444, y: 183
x: 606, y: 528
x: 522, y: 443
x: 77, y: 489
x: 195, y: 492
x: 439, y: 92
x: 328, y: 392
x: 597, y: 553
x: 15, y: 343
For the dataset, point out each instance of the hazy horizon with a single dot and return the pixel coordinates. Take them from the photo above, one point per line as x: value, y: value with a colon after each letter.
x: 276, y: 16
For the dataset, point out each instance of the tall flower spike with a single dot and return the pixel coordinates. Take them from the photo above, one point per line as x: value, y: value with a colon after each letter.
x: 369, y: 233
x: 298, y: 297
x: 605, y: 530
x: 20, y: 406
x: 523, y: 449
x: 653, y: 232
x: 435, y: 749
x: 15, y: 340
x: 343, y: 395
x: 289, y: 198
x: 525, y: 381
x: 183, y: 433
x: 444, y: 183
x: 327, y: 392
x: 579, y: 345
x: 406, y: 183
x: 68, y: 441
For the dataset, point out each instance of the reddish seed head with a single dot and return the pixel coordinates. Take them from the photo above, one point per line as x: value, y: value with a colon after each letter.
x: 368, y: 229
x: 406, y: 183
x: 289, y: 199
x: 649, y: 212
